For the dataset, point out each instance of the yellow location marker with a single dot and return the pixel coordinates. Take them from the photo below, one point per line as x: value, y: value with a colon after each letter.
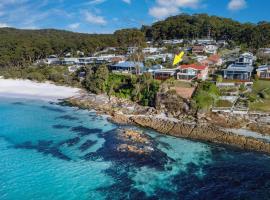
x: 178, y: 58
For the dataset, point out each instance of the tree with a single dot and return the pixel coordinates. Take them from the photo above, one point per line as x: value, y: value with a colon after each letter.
x: 130, y: 37
x: 96, y: 80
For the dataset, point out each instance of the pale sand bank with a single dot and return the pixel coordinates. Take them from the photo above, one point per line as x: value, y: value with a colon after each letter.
x: 29, y: 89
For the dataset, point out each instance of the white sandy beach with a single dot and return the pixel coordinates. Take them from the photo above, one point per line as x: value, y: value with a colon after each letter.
x: 29, y: 89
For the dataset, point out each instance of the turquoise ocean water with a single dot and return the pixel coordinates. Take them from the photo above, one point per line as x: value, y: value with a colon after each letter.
x: 48, y: 151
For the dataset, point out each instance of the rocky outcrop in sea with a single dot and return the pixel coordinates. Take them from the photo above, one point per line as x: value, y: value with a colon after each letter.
x: 207, y: 128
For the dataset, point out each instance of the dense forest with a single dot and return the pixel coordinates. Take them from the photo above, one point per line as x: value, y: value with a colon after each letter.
x: 200, y: 25
x: 22, y: 47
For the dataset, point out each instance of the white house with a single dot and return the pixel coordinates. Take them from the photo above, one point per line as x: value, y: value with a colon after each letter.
x: 151, y: 50
x: 204, y: 41
x: 52, y: 60
x: 211, y: 49
x: 69, y: 61
x: 132, y: 50
x: 164, y: 57
x: 173, y: 42
x: 191, y: 72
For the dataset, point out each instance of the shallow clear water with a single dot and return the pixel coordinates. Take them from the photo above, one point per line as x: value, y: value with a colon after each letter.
x: 48, y: 151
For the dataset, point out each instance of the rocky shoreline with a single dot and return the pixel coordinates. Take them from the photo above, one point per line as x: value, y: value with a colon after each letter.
x: 205, y: 128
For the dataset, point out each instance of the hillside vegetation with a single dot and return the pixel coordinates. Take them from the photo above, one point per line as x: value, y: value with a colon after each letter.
x: 199, y: 25
x: 22, y: 47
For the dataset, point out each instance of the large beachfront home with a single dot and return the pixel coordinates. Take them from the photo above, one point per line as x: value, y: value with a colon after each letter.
x: 128, y: 67
x: 192, y: 72
x: 164, y: 74
x: 240, y: 70
x: 263, y: 72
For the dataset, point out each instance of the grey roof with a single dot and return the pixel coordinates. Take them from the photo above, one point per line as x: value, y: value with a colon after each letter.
x: 129, y: 64
x: 241, y: 68
x: 263, y: 68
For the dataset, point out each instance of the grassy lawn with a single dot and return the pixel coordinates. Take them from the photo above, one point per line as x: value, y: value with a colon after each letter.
x: 260, y: 85
x: 182, y: 84
x: 223, y: 103
x: 262, y: 104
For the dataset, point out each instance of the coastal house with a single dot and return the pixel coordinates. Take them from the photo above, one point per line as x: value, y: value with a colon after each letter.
x: 222, y: 43
x: 151, y: 50
x: 264, y: 51
x: 132, y: 50
x: 154, y: 68
x: 128, y: 67
x: 192, y: 72
x: 173, y: 41
x: 69, y: 61
x: 212, y: 62
x: 246, y: 59
x: 242, y: 69
x: 52, y: 60
x: 200, y: 58
x: 263, y: 72
x: 206, y: 41
x: 164, y: 57
x: 211, y: 49
x: 86, y: 60
x: 238, y: 72
x: 198, y: 49
x: 164, y: 74
x: 73, y: 68
x: 80, y: 53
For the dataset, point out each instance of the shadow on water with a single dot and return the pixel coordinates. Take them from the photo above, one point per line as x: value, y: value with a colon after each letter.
x: 18, y: 103
x: 68, y: 117
x: 83, y: 131
x: 60, y: 126
x: 45, y: 147
x: 86, y: 145
x: 50, y: 108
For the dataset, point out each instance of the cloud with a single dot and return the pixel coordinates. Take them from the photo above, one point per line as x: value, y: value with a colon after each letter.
x: 74, y: 26
x: 94, y: 19
x: 97, y: 1
x: 127, y: 1
x: 235, y: 5
x: 160, y: 12
x: 165, y: 8
x: 2, y: 25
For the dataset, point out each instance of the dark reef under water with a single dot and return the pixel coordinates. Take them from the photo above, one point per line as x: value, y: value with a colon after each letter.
x: 173, y: 169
